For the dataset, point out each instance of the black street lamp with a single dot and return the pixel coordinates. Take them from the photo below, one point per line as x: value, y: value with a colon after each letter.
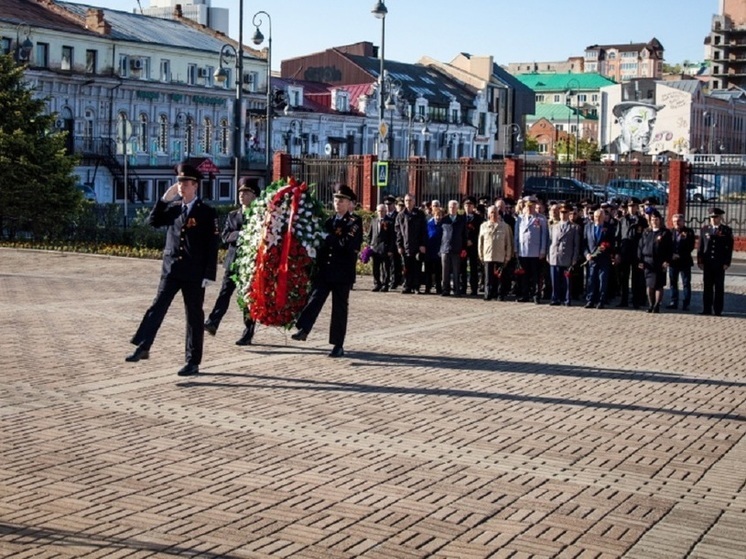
x: 23, y: 50
x: 221, y: 75
x: 258, y: 39
x: 571, y: 92
x: 380, y: 11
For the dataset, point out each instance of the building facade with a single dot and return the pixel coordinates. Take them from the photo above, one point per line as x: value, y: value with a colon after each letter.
x: 727, y: 46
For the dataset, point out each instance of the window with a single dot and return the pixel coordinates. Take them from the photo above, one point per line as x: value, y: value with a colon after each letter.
x: 5, y: 45
x: 41, y: 58
x: 91, y: 59
x: 163, y: 134
x: 88, y: 130
x: 582, y: 97
x: 558, y: 98
x: 209, y: 71
x: 142, y: 133
x: 224, y: 189
x: 539, y: 98
x: 124, y: 65
x: 454, y: 115
x: 207, y: 136
x: 66, y: 62
x: 160, y: 187
x: 191, y: 74
x: 482, y: 124
x: 224, y: 136
x: 165, y: 71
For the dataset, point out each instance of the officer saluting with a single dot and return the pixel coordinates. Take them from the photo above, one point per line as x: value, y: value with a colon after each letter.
x: 713, y: 258
x: 336, y: 260
x: 190, y: 261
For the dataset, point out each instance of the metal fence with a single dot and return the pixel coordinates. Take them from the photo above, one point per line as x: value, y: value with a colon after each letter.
x: 324, y: 174
x: 717, y: 181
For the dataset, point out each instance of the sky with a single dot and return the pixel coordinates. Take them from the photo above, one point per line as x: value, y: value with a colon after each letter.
x: 509, y: 30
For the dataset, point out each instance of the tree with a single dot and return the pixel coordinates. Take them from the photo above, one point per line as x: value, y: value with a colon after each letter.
x: 37, y: 187
x: 588, y: 150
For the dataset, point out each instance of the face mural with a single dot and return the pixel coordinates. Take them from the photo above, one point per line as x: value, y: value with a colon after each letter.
x: 634, y: 117
x: 636, y: 125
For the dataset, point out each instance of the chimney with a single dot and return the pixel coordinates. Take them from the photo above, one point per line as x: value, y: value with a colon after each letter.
x: 94, y: 21
x: 178, y: 13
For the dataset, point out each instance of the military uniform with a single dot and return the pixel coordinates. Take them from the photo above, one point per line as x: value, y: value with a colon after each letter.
x: 190, y: 256
x: 470, y: 266
x: 681, y: 266
x: 382, y: 240
x: 629, y: 233
x: 337, y: 258
x: 713, y: 257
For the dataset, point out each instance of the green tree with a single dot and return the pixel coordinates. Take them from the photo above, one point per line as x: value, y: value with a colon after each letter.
x: 37, y: 187
x: 588, y: 150
x: 532, y: 144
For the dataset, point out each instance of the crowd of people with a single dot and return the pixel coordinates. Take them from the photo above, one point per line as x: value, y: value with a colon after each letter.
x: 560, y: 252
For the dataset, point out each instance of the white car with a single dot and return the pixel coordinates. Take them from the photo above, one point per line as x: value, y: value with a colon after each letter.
x: 701, y: 193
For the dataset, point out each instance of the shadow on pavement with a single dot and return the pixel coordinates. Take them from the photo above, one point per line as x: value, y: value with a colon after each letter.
x: 30, y: 535
x: 498, y: 367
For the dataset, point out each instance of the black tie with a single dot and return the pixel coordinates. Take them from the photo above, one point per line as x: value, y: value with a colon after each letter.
x: 184, y: 209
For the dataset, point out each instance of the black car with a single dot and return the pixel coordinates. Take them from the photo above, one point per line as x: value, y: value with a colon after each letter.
x: 559, y: 188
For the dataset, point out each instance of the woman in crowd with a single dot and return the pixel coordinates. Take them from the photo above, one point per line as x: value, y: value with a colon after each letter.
x: 654, y: 253
x: 433, y: 266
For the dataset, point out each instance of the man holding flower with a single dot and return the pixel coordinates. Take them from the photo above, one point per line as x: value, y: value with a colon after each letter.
x: 598, y: 244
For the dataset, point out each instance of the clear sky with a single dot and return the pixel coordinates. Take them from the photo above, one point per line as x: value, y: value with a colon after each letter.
x: 509, y: 30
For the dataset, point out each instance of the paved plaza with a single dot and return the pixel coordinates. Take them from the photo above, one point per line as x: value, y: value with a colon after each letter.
x: 452, y: 428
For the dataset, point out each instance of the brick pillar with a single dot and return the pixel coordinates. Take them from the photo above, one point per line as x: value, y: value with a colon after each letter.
x: 416, y: 177
x: 465, y: 177
x: 513, y: 179
x: 552, y: 169
x: 368, y: 190
x: 281, y: 165
x: 636, y: 167
x: 678, y: 172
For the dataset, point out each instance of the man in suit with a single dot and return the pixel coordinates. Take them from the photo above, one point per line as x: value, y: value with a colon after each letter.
x: 470, y: 265
x: 531, y: 248
x: 411, y: 241
x: 598, y: 244
x: 451, y: 245
x: 190, y: 261
x: 336, y: 262
x: 564, y: 251
x: 629, y: 232
x: 382, y: 240
x: 247, y: 193
x: 681, y: 263
x: 391, y: 212
x: 713, y: 258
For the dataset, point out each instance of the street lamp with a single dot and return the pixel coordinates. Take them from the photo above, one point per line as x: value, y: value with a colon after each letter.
x: 221, y: 75
x: 380, y: 11
x: 258, y: 39
x: 23, y: 50
x: 577, y: 113
x: 513, y: 130
x: 295, y: 129
x: 425, y: 130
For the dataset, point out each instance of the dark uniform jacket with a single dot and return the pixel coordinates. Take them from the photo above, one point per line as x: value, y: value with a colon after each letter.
x: 715, y: 246
x: 656, y: 247
x: 382, y: 234
x: 231, y: 232
x: 683, y: 245
x: 629, y: 232
x: 473, y: 223
x: 192, y: 240
x: 411, y: 231
x: 338, y: 253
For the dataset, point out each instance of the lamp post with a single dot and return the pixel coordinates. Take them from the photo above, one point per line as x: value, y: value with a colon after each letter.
x: 513, y: 130
x: 380, y: 11
x: 221, y: 75
x: 258, y: 39
x: 23, y: 50
x: 569, y: 93
x: 295, y: 128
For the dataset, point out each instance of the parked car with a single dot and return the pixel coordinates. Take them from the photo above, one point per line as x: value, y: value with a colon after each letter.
x: 642, y: 189
x: 88, y: 192
x: 701, y: 193
x: 559, y: 188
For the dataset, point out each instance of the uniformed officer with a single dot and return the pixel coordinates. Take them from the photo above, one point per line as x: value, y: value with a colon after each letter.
x: 190, y: 261
x: 336, y: 261
x: 713, y: 258
x: 247, y: 193
x: 629, y: 232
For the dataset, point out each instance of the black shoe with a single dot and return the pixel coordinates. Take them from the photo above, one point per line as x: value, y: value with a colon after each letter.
x: 705, y: 313
x: 211, y: 328
x: 301, y: 335
x: 672, y: 305
x: 589, y: 305
x: 138, y: 354
x: 718, y: 313
x: 188, y: 370
x: 522, y: 300
x: 567, y: 304
x: 650, y: 308
x: 445, y: 294
x: 685, y: 308
x: 600, y: 306
x: 376, y: 289
x: 338, y: 351
x: 622, y: 304
x: 244, y: 340
x: 554, y: 303
x: 656, y: 308
x: 537, y: 300
x: 384, y: 289
x: 407, y: 291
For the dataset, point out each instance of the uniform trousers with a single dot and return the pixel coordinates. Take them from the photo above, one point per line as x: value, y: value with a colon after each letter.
x: 412, y: 271
x: 627, y: 269
x: 383, y: 269
x: 598, y: 280
x: 223, y: 302
x: 560, y: 285
x: 713, y: 290
x: 340, y: 303
x: 529, y: 281
x: 194, y: 297
x: 470, y: 267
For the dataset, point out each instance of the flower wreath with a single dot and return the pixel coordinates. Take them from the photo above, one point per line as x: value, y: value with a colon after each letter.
x: 274, y: 261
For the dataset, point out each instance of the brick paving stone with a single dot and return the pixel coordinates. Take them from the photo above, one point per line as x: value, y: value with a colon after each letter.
x: 433, y: 437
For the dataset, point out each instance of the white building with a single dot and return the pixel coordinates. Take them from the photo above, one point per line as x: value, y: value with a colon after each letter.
x: 200, y: 11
